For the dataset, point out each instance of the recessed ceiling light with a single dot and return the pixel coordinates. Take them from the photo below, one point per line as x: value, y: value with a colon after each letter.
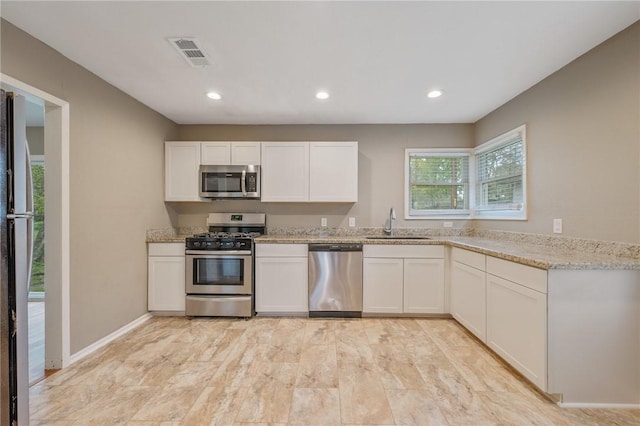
x: 434, y: 93
x: 322, y: 95
x: 214, y: 95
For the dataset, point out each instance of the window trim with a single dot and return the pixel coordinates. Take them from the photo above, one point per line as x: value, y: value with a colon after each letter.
x: 491, y: 144
x: 472, y: 212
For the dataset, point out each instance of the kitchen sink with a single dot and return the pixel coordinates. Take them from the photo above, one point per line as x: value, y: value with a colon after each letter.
x: 399, y: 237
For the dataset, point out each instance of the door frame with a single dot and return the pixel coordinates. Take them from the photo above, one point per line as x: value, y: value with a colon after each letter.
x: 57, y: 249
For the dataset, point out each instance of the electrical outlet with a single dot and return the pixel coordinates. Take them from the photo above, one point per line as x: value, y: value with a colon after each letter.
x: 557, y: 226
x: 448, y: 224
x: 323, y: 221
x: 352, y: 222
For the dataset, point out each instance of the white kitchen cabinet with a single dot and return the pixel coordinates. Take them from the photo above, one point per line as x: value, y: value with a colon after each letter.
x: 285, y: 171
x: 424, y: 286
x: 517, y: 327
x: 309, y: 171
x: 468, y: 291
x: 166, y: 269
x: 235, y: 153
x: 282, y: 278
x: 333, y: 171
x: 382, y: 285
x: 245, y: 153
x: 403, y: 279
x: 182, y: 161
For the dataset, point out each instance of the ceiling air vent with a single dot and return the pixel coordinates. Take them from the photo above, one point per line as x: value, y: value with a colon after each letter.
x: 190, y: 51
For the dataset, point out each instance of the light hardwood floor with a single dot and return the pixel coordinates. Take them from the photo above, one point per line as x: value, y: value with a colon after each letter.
x: 176, y: 371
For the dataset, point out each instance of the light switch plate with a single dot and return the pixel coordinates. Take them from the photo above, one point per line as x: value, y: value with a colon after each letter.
x: 352, y: 222
x: 323, y: 221
x: 557, y: 226
x: 448, y: 224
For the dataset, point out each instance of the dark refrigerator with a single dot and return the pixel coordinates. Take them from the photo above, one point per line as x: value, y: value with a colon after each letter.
x: 16, y: 221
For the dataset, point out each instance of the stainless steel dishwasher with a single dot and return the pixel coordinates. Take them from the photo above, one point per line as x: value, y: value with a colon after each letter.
x: 335, y: 280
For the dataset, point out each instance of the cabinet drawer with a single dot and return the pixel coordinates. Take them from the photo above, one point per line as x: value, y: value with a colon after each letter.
x: 282, y: 250
x: 166, y: 249
x: 528, y: 276
x: 470, y: 258
x: 419, y: 251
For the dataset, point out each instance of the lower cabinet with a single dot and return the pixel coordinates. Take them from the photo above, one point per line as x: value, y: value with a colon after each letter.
x: 468, y: 300
x: 403, y: 279
x: 517, y: 327
x: 382, y: 285
x: 424, y: 286
x: 517, y: 317
x: 165, y: 278
x: 282, y: 278
x: 505, y: 305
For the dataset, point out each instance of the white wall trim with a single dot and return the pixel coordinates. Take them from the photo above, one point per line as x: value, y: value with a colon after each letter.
x: 109, y: 338
x: 598, y: 405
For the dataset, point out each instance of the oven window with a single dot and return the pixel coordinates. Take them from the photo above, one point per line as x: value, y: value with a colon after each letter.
x: 222, y: 182
x: 218, y: 271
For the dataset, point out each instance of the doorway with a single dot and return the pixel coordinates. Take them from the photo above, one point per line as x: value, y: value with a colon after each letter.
x: 56, y: 221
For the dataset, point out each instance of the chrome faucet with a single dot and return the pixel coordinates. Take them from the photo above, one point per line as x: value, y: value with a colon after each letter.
x: 392, y: 217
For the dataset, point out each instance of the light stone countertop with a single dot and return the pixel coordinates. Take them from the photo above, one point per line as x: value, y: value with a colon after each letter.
x: 546, y: 253
x: 536, y: 255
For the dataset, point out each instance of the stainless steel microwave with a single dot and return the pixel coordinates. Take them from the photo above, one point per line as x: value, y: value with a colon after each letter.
x: 230, y: 182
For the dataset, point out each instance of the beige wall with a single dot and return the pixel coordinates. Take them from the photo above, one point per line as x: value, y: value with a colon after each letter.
x: 116, y: 185
x: 380, y: 171
x: 583, y: 140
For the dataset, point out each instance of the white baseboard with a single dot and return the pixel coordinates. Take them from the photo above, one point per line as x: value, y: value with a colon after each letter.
x: 598, y: 405
x: 109, y: 338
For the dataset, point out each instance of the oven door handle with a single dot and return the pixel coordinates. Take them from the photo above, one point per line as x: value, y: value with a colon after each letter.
x: 219, y: 254
x: 243, y: 183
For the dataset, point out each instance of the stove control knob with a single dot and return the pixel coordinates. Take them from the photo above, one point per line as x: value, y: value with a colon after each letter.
x: 217, y: 244
x: 196, y: 243
x: 238, y: 244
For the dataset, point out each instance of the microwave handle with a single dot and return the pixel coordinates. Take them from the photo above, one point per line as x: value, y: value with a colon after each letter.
x: 243, y: 182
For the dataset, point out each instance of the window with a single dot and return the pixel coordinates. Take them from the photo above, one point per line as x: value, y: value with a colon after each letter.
x: 500, y: 176
x: 488, y: 182
x: 438, y: 182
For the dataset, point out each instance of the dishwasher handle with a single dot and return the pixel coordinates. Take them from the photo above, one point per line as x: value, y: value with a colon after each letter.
x: 335, y: 247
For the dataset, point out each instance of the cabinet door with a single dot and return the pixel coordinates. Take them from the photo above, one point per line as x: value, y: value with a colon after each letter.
x: 516, y: 327
x: 281, y: 284
x: 166, y: 283
x: 468, y: 298
x: 382, y: 285
x: 216, y: 153
x: 285, y: 171
x: 182, y: 161
x: 424, y: 286
x: 243, y: 153
x: 333, y: 171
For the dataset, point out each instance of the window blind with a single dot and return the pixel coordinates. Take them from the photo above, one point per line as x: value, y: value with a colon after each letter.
x: 438, y: 183
x: 500, y: 175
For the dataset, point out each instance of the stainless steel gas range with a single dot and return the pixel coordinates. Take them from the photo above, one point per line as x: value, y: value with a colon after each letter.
x: 219, y: 279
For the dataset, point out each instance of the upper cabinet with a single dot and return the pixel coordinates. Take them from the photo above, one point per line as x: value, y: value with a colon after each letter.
x: 333, y: 171
x: 181, y: 164
x: 225, y: 153
x: 285, y: 171
x: 290, y: 171
x: 310, y: 171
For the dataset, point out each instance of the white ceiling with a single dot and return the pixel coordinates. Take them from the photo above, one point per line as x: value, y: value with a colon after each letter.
x: 376, y: 59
